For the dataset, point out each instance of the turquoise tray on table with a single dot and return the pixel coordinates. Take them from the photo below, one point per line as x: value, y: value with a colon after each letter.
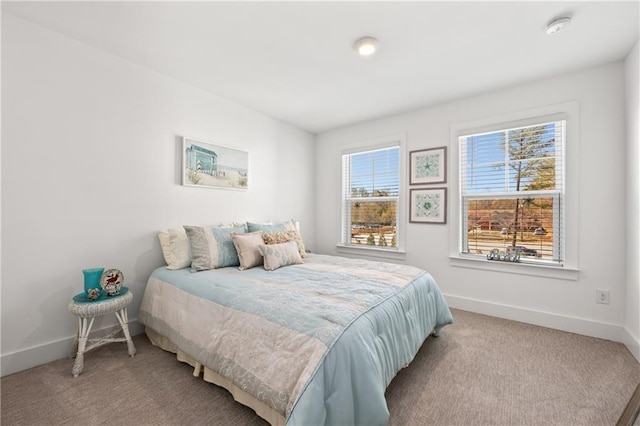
x: 82, y: 297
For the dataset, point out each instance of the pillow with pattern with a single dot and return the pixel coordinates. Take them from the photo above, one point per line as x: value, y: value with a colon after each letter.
x: 279, y: 255
x: 284, y: 237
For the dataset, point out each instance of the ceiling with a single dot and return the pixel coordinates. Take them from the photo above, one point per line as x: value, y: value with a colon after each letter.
x: 295, y: 61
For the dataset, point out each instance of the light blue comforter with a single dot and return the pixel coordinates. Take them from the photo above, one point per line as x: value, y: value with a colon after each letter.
x: 317, y: 342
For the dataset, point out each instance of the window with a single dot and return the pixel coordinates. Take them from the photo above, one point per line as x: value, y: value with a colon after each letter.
x: 512, y: 192
x: 371, y: 197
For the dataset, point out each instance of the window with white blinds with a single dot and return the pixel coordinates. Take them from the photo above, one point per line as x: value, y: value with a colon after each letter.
x: 513, y: 192
x: 370, y: 197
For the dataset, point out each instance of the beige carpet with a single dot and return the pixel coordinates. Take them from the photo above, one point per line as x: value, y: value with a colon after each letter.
x: 481, y: 371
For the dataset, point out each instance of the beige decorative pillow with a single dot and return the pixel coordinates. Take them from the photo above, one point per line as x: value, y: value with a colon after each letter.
x: 175, y: 248
x: 247, y: 248
x: 278, y: 255
x: 165, y: 245
x: 286, y: 236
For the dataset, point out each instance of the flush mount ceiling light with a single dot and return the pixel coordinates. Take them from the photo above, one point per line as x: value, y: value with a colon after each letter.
x: 366, y: 46
x: 557, y: 24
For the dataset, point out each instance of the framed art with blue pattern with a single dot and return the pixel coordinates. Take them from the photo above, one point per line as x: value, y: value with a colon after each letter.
x: 428, y: 166
x: 428, y: 205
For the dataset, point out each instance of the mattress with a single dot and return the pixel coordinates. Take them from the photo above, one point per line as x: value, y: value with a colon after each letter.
x: 309, y: 344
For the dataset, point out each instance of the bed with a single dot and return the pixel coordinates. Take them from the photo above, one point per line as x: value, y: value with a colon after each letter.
x: 308, y: 344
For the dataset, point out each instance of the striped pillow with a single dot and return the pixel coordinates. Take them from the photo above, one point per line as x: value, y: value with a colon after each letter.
x: 212, y: 247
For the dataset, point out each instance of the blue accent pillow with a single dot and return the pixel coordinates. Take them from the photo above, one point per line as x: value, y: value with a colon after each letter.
x: 270, y: 227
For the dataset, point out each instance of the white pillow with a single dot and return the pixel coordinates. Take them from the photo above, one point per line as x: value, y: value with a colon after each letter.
x: 175, y: 248
x: 278, y: 255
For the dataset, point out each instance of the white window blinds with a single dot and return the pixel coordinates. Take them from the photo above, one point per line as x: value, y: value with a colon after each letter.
x: 370, y: 196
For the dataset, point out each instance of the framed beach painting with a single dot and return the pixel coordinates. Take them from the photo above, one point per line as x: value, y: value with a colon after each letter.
x: 428, y: 166
x: 209, y: 165
x: 428, y: 205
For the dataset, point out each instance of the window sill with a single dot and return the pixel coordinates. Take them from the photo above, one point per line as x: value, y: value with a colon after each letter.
x: 557, y: 272
x: 371, y: 251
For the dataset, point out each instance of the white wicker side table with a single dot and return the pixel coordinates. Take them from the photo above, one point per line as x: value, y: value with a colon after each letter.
x: 87, y: 311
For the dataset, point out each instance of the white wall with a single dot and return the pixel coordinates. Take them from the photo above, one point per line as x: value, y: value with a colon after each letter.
x: 90, y: 173
x: 632, y: 323
x: 563, y: 304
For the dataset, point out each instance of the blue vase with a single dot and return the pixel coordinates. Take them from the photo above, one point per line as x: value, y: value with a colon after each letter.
x: 92, y: 279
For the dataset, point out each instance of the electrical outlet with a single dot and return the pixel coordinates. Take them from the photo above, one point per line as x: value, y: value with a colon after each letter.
x: 602, y: 296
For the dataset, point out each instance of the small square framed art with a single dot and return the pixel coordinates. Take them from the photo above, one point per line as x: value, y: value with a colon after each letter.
x: 428, y: 166
x: 428, y: 205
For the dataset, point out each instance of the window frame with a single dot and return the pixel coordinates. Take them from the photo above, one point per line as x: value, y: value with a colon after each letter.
x: 344, y: 246
x: 568, y: 269
x: 557, y: 194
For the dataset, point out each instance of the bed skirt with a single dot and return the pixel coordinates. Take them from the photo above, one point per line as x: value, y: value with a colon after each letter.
x: 210, y: 376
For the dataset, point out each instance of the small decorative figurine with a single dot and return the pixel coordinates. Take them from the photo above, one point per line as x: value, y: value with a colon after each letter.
x: 93, y: 294
x: 496, y: 254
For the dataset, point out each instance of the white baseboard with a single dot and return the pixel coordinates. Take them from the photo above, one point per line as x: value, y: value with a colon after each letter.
x: 37, y: 355
x: 586, y: 327
x: 631, y: 342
